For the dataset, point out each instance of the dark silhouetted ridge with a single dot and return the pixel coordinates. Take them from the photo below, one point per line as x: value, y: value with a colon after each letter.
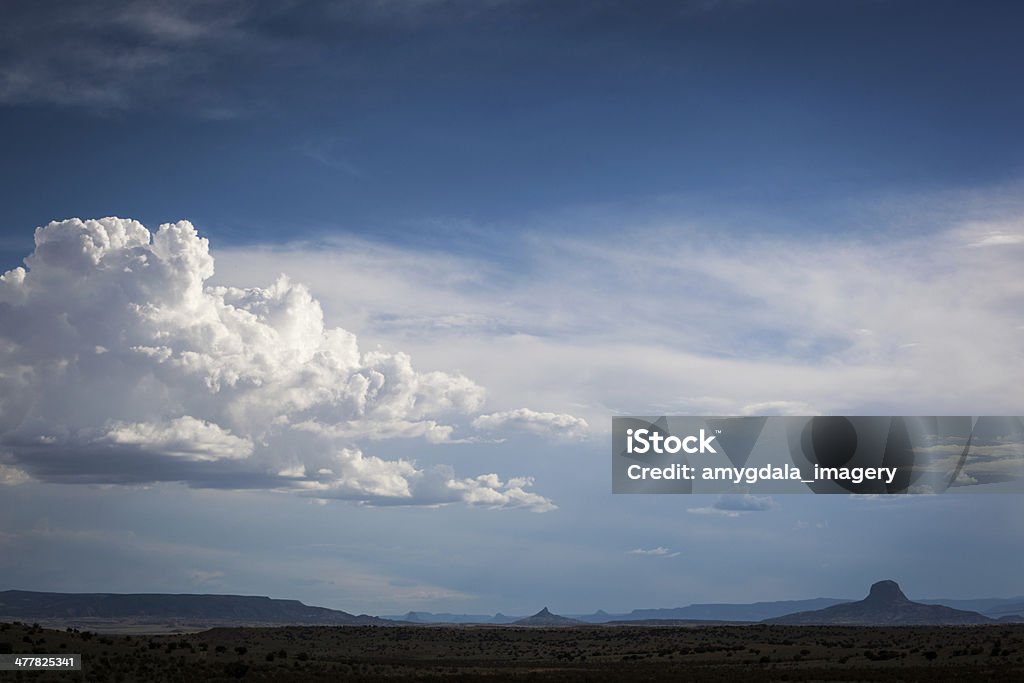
x: 157, y: 606
x: 885, y: 605
x: 546, y: 618
x: 886, y: 593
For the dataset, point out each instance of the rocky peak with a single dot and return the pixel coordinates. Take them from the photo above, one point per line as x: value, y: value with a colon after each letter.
x: 886, y: 593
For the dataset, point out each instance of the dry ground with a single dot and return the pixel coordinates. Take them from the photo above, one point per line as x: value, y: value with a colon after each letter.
x: 489, y: 653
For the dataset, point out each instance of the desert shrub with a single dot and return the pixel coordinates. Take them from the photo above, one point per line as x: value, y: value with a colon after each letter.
x: 881, y: 655
x: 236, y: 669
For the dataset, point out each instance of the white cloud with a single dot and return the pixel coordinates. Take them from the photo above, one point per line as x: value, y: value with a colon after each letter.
x: 200, y: 577
x: 694, y: 321
x: 779, y: 408
x: 488, y: 490
x: 560, y: 425
x: 736, y: 504
x: 998, y: 239
x: 396, y: 429
x: 12, y: 476
x: 120, y: 364
x: 712, y: 510
x: 802, y: 525
x: 184, y: 437
x: 660, y: 551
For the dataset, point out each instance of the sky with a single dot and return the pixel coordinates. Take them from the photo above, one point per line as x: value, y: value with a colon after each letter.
x: 334, y: 301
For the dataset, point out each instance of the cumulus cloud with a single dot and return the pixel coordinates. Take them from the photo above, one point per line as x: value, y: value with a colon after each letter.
x: 490, y: 491
x: 559, y: 425
x: 12, y: 476
x: 120, y: 363
x: 184, y: 437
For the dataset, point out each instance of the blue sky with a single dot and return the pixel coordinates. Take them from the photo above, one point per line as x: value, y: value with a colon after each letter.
x: 385, y: 118
x: 536, y: 215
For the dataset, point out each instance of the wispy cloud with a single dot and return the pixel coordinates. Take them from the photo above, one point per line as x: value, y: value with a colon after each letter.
x: 202, y: 577
x: 688, y: 320
x: 111, y: 55
x: 998, y: 239
x: 329, y: 152
x: 734, y: 505
x: 660, y: 551
x: 209, y: 54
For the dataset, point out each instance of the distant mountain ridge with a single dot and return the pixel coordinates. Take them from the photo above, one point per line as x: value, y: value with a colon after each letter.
x: 255, y: 610
x: 757, y: 611
x: 159, y: 606
x: 546, y: 618
x: 450, y: 618
x: 990, y: 607
x: 885, y: 605
x: 996, y: 608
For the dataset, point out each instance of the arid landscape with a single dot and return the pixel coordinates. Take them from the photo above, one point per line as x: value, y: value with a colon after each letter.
x: 511, y: 340
x: 581, y: 653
